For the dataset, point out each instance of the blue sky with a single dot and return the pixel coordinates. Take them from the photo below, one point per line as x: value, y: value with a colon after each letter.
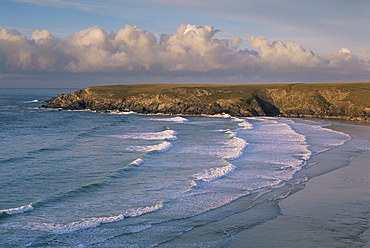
x: 277, y: 41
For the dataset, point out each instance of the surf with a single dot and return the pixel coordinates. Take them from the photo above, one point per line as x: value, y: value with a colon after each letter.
x: 17, y: 210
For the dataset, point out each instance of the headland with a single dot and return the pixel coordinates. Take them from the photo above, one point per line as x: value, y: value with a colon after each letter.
x: 348, y: 101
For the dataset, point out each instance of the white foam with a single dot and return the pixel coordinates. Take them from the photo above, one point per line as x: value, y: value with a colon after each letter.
x: 320, y: 139
x: 116, y: 112
x: 244, y: 124
x: 164, y: 135
x: 95, y: 222
x: 236, y: 146
x: 143, y: 210
x: 223, y: 115
x: 33, y: 101
x: 162, y: 147
x: 18, y: 210
x: 84, y: 224
x: 173, y: 119
x: 229, y: 150
x: 137, y: 162
x: 214, y: 173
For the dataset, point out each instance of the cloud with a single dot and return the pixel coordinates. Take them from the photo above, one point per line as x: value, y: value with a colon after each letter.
x: 280, y: 56
x: 191, y: 49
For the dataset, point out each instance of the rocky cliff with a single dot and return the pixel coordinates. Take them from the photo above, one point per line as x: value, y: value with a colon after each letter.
x: 344, y: 101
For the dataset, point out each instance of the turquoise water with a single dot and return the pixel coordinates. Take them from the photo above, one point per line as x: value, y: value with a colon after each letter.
x: 88, y: 179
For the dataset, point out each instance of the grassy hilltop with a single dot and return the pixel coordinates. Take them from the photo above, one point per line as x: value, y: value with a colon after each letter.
x: 330, y: 100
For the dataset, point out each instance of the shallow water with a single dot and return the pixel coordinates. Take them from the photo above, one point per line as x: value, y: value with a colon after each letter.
x: 87, y: 179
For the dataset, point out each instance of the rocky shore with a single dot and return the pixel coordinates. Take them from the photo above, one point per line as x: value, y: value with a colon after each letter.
x: 350, y: 101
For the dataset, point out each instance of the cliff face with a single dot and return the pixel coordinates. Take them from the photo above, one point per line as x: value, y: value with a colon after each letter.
x: 269, y: 100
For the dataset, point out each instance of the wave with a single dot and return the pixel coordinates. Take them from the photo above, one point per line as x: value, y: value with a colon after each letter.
x: 237, y: 146
x: 33, y: 101
x: 143, y: 210
x: 137, y: 162
x: 72, y: 193
x: 215, y: 173
x: 232, y: 149
x: 116, y: 112
x: 243, y: 123
x: 223, y: 115
x: 164, y: 135
x: 97, y: 221
x: 173, y: 119
x: 18, y: 210
x: 84, y: 224
x: 320, y: 138
x: 162, y: 147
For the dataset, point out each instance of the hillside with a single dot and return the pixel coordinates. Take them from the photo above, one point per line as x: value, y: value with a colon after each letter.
x: 340, y: 100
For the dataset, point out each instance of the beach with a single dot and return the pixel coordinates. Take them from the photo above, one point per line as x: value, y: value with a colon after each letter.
x: 332, y: 210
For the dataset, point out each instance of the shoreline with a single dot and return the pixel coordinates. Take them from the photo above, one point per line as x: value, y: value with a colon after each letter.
x: 330, y: 211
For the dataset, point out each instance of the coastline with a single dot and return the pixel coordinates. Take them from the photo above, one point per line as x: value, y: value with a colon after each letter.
x: 346, y: 101
x: 330, y: 211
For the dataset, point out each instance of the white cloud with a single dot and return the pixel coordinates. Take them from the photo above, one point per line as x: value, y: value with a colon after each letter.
x: 191, y: 49
x: 345, y: 50
x: 41, y: 36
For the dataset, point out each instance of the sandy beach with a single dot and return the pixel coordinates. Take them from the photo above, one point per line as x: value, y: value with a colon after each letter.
x: 332, y: 210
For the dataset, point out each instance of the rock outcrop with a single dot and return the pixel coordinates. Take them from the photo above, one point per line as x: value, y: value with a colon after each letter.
x: 305, y: 100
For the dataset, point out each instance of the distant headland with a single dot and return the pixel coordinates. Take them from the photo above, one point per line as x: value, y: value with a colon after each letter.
x: 349, y: 101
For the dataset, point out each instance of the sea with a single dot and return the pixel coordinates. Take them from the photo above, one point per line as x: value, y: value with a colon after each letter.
x: 122, y: 179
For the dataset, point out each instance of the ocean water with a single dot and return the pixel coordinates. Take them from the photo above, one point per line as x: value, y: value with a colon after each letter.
x: 91, y: 179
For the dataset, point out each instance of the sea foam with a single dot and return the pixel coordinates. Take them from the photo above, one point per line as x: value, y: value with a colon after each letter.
x: 95, y: 222
x: 173, y: 119
x: 161, y: 147
x: 236, y: 146
x: 137, y: 162
x: 18, y: 210
x: 33, y: 101
x: 215, y: 173
x: 143, y: 210
x: 244, y: 124
x: 163, y: 135
x: 83, y: 224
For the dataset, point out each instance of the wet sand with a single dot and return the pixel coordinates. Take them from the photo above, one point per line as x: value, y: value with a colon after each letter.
x: 332, y: 210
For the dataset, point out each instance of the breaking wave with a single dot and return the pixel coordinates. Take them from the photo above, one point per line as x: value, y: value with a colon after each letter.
x: 163, y: 135
x: 215, y: 173
x: 96, y: 221
x: 33, y: 101
x: 162, y: 147
x: 236, y: 146
x: 137, y: 162
x: 18, y: 210
x: 244, y: 124
x: 173, y: 119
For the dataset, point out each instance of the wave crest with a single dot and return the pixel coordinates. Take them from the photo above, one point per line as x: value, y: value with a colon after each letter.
x: 162, y: 147
x: 18, y: 210
x: 237, y: 146
x: 144, y: 210
x: 173, y: 119
x: 163, y: 135
x: 215, y: 173
x: 95, y: 222
x: 137, y: 162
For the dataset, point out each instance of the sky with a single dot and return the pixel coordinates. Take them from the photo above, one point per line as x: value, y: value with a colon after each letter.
x: 81, y: 43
